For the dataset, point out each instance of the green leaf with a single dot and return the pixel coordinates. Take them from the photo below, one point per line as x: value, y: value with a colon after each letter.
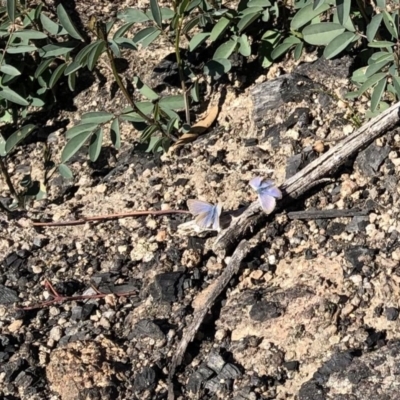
x: 283, y: 48
x: 373, y: 27
x: 167, y: 13
x: 154, y: 144
x: 72, y: 67
x: 18, y: 136
x: 133, y: 15
x: 378, y: 93
x: 244, y: 46
x: 54, y: 50
x: 382, y: 43
x: 72, y: 81
x: 225, y: 49
x: 21, y: 49
x: 172, y: 123
x: 307, y: 14
x: 247, y: 20
x: 298, y: 50
x: 42, y: 67
x: 156, y: 12
x: 125, y: 43
x: 195, y: 92
x: 28, y: 34
x: 396, y: 84
x: 67, y: 23
x: 52, y: 27
x: 343, y: 10
x: 183, y: 6
x: 258, y: 3
x: 373, y: 68
x: 219, y: 28
x: 197, y: 40
x: 176, y: 102
x: 96, y: 117
x: 115, y: 134
x: 65, y: 172
x: 323, y: 33
x: 216, y: 68
x: 317, y: 4
x: 3, y: 152
x: 9, y: 70
x: 95, y: 145
x: 122, y: 30
x: 74, y: 145
x: 338, y: 44
x: 80, y: 128
x: 191, y: 24
x: 144, y: 89
x: 381, y: 4
x: 371, y: 81
x: 11, y: 9
x: 114, y: 48
x: 58, y: 72
x: 147, y: 133
x: 146, y: 36
x: 95, y: 54
x: 389, y: 23
x: 14, y: 97
x: 81, y: 57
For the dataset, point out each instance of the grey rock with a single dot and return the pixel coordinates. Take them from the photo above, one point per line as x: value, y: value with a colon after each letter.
x: 265, y: 310
x: 370, y: 159
x: 8, y: 296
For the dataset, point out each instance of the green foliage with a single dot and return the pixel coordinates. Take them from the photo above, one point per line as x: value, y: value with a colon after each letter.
x: 42, y: 49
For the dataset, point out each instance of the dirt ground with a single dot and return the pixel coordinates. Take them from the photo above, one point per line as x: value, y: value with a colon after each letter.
x: 313, y: 313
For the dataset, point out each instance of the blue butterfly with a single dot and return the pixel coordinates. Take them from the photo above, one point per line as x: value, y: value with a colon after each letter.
x: 206, y: 214
x: 267, y: 193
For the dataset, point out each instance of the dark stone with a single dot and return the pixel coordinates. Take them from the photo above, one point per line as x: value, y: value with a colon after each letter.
x: 265, y: 310
x: 323, y: 68
x: 23, y: 380
x: 146, y: 328
x: 300, y: 117
x: 11, y: 370
x: 357, y: 256
x: 357, y: 373
x: 145, y: 380
x: 337, y: 363
x: 392, y: 313
x: 293, y: 165
x: 309, y: 254
x: 8, y: 296
x: 215, y: 177
x: 76, y: 313
x: 291, y: 365
x: 10, y: 259
x: 229, y: 371
x: 357, y: 224
x: 155, y: 181
x: 181, y: 182
x: 167, y: 287
x: 219, y: 158
x: 24, y: 254
x: 215, y: 362
x: 312, y: 391
x: 375, y: 339
x: 67, y: 288
x: 335, y: 228
x: 274, y: 133
x: 250, y: 142
x: 198, y: 378
x: 370, y: 159
x: 87, y: 310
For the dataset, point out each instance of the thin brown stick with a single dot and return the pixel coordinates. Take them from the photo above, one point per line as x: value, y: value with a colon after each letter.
x: 217, y: 287
x: 300, y: 183
x: 57, y: 298
x: 95, y: 218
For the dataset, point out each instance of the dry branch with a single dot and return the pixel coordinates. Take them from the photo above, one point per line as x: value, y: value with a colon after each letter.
x: 213, y: 291
x: 309, y: 176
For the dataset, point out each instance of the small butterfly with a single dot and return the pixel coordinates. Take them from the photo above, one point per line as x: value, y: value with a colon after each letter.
x: 267, y: 193
x: 206, y: 214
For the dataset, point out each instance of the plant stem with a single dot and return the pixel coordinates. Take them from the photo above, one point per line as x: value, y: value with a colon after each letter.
x: 180, y: 67
x: 9, y: 183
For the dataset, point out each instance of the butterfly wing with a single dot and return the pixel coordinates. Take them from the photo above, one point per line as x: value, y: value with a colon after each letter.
x: 272, y: 191
x: 256, y: 182
x: 217, y: 214
x: 267, y: 202
x: 198, y: 207
x: 205, y: 220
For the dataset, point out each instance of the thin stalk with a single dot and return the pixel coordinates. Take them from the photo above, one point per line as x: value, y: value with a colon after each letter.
x: 128, y: 97
x: 180, y: 67
x: 9, y: 183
